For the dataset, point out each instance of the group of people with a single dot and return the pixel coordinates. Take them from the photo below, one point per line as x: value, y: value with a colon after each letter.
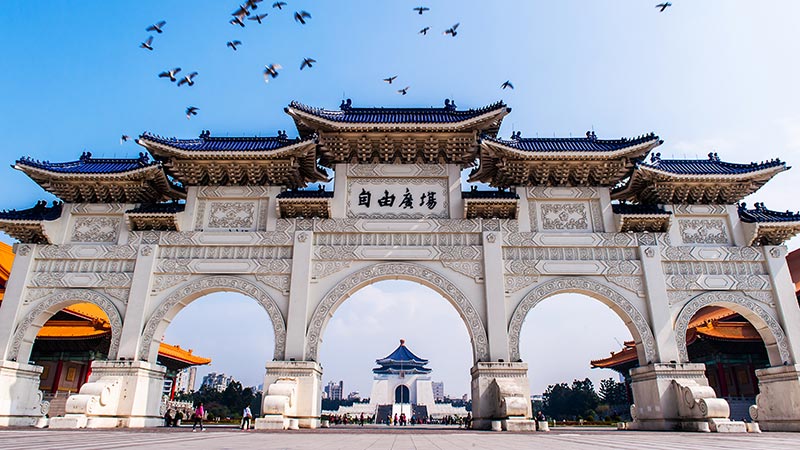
x: 345, y: 419
x: 173, y: 418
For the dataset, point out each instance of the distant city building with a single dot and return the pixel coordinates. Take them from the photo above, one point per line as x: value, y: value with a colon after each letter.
x: 438, y: 391
x: 335, y: 390
x: 217, y: 381
x: 354, y: 396
x: 185, y: 379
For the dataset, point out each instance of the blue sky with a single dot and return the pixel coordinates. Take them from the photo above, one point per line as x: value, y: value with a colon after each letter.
x: 716, y: 75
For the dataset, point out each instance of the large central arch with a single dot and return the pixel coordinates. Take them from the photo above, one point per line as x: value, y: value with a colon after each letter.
x: 182, y: 295
x: 634, y: 320
x: 403, y: 271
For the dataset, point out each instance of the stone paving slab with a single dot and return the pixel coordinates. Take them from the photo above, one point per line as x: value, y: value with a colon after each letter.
x: 388, y: 439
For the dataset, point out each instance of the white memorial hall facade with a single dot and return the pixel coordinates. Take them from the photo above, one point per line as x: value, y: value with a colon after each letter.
x: 654, y: 239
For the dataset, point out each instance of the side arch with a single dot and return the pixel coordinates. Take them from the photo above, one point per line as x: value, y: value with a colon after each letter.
x: 404, y: 271
x: 634, y: 320
x: 767, y: 326
x: 192, y: 290
x: 28, y: 328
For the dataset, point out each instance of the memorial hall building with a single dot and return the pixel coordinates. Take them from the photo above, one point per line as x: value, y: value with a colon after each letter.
x: 362, y: 195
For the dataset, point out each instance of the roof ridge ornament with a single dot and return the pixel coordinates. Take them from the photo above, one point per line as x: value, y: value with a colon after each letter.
x: 205, y: 134
x: 655, y: 157
x: 591, y: 136
x: 346, y: 105
x: 449, y: 105
x: 516, y: 136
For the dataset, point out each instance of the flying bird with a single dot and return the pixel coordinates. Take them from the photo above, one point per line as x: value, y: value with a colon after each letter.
x: 271, y: 71
x: 233, y: 44
x: 157, y: 27
x: 301, y: 16
x: 424, y: 31
x: 124, y: 138
x: 307, y: 62
x: 663, y: 6
x: 241, y: 11
x: 257, y: 17
x: 403, y: 91
x: 191, y: 111
x: 148, y: 44
x: 188, y: 79
x: 507, y: 84
x: 237, y: 20
x: 170, y: 74
x: 390, y: 79
x: 279, y: 5
x: 253, y: 4
x: 421, y: 9
x: 452, y: 30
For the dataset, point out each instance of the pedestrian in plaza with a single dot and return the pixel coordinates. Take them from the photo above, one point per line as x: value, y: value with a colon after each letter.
x: 246, y: 416
x: 388, y: 419
x: 396, y: 419
x: 168, y: 418
x: 177, y: 420
x: 361, y: 419
x: 199, y: 413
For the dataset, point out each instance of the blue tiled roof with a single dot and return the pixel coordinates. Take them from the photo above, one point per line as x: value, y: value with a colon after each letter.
x: 590, y: 143
x: 638, y: 209
x: 710, y: 166
x: 39, y: 212
x: 761, y: 214
x: 158, y: 208
x: 88, y: 165
x: 306, y: 193
x: 349, y: 114
x: 476, y: 194
x: 401, y: 360
x: 208, y: 143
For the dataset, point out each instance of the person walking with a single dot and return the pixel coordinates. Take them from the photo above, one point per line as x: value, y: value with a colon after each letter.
x: 246, y: 416
x: 199, y: 413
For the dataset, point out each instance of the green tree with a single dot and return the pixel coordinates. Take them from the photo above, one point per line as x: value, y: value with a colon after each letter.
x: 613, y: 393
x: 562, y: 401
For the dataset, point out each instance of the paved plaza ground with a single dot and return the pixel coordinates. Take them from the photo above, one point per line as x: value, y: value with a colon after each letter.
x: 383, y: 438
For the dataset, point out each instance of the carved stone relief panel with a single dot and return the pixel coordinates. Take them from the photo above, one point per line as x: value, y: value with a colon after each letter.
x: 396, y: 170
x: 231, y: 215
x: 704, y: 231
x: 564, y: 216
x: 96, y: 229
x: 398, y: 198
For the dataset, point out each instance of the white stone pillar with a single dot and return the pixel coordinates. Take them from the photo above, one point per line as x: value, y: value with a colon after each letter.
x: 523, y: 211
x: 494, y: 284
x: 785, y: 300
x: 339, y: 204
x: 298, y: 295
x: 300, y: 380
x: 500, y: 391
x: 658, y: 304
x: 138, y: 301
x: 776, y: 407
x: 606, y: 210
x: 15, y: 290
x: 454, y: 183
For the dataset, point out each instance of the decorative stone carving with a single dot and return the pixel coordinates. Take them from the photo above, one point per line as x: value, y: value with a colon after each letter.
x: 83, y: 251
x: 32, y: 295
x: 302, y: 237
x: 163, y: 282
x: 413, y: 272
x: 703, y: 231
x: 569, y: 254
x: 226, y: 252
x: 146, y: 250
x: 490, y: 238
x: 631, y: 283
x: 199, y: 238
x: 516, y: 283
x: 389, y: 170
x: 278, y: 282
x: 642, y: 333
x: 322, y: 269
x: 207, y: 285
x: 56, y: 302
x: 24, y: 250
x: 99, y: 208
x: 564, y: 216
x: 737, y: 302
x: 232, y: 215
x: 472, y: 269
x: 547, y: 192
x: 73, y: 279
x: 776, y: 252
x: 707, y: 210
x: 398, y: 190
x: 712, y: 254
x: 96, y: 229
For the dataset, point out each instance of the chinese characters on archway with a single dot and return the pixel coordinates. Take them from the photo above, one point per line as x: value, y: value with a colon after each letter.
x: 388, y: 199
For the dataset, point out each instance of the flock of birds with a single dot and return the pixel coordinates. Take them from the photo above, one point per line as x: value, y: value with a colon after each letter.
x: 247, y: 11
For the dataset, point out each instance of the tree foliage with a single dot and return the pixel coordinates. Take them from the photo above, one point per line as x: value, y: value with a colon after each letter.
x: 228, y: 403
x: 565, y: 402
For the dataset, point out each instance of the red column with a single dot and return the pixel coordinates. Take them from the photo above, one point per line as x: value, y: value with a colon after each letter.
x: 88, y: 371
x: 723, y: 381
x: 57, y: 378
x: 172, y: 388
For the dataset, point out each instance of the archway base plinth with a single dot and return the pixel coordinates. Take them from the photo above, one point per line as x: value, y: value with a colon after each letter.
x: 676, y: 396
x: 778, y: 403
x: 119, y: 394
x: 20, y: 399
x: 292, y: 395
x: 500, y: 391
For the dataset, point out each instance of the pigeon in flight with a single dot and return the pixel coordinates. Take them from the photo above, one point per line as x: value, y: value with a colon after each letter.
x: 191, y: 111
x: 421, y: 9
x: 257, y: 17
x: 279, y: 5
x: 157, y: 27
x: 237, y: 20
x: 188, y: 79
x: 663, y: 6
x: 148, y: 44
x: 403, y: 91
x: 507, y: 84
x: 452, y: 30
x: 307, y: 63
x: 233, y: 44
x: 124, y: 138
x: 253, y: 4
x: 301, y: 16
x: 170, y: 74
x: 271, y: 71
x: 424, y: 31
x: 241, y: 11
x: 390, y: 79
